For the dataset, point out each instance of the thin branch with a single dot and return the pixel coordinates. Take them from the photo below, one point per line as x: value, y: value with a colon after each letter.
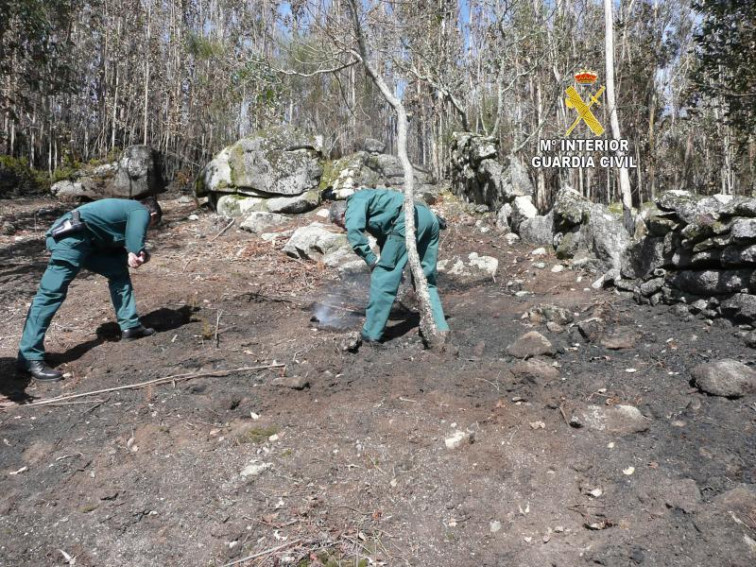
x: 175, y: 378
x: 263, y: 553
x: 317, y: 72
x: 222, y: 231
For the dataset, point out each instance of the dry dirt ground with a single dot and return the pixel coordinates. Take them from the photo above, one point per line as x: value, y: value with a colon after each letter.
x: 312, y: 456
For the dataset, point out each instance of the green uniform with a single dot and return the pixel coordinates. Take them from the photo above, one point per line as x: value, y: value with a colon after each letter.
x: 114, y: 227
x: 380, y: 213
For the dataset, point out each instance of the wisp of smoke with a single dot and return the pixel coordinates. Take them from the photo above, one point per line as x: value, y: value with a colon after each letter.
x: 342, y: 307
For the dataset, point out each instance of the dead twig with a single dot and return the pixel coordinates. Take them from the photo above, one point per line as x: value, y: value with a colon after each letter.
x: 263, y: 553
x: 222, y: 231
x: 347, y: 309
x: 217, y: 324
x: 174, y: 378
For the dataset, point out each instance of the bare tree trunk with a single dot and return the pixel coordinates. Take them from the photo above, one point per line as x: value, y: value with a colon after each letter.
x: 540, y: 174
x: 427, y: 325
x: 627, y: 198
x: 115, y: 111
x: 147, y: 77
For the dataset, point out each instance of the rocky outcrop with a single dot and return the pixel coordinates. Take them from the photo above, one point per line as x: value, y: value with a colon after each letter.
x: 370, y: 168
x: 699, y: 252
x: 576, y: 227
x: 134, y: 175
x: 479, y: 177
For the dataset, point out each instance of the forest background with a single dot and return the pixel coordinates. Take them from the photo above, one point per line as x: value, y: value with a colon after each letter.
x: 82, y: 79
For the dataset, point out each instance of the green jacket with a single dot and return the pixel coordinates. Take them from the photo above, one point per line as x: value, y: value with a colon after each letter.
x: 116, y: 223
x: 375, y: 211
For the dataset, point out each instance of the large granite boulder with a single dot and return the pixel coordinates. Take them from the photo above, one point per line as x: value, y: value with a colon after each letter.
x: 371, y: 169
x: 315, y: 241
x: 281, y: 162
x: 576, y: 226
x: 538, y: 229
x: 136, y: 174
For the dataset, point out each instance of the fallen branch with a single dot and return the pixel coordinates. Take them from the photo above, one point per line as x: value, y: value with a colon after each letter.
x: 222, y: 231
x: 347, y: 309
x: 262, y: 553
x: 174, y: 378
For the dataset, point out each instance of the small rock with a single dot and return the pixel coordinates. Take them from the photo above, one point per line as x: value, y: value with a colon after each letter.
x: 750, y: 339
x: 595, y: 493
x: 619, y: 419
x: 459, y: 438
x: 185, y: 199
x: 193, y: 217
x: 293, y: 382
x: 511, y: 238
x: 592, y: 329
x: 597, y: 525
x: 539, y: 252
x: 535, y: 371
x: 255, y: 469
x: 546, y: 312
x: 727, y: 378
x: 485, y: 264
x: 620, y: 338
x: 540, y: 265
x: 495, y: 526
x: 531, y: 344
x: 628, y: 471
x: 599, y: 283
x: 555, y: 328
x: 537, y: 425
x: 558, y: 268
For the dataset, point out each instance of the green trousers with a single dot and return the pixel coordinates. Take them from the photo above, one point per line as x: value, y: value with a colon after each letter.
x: 68, y: 256
x: 387, y: 274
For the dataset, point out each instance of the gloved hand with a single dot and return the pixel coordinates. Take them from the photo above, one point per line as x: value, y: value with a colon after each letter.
x: 374, y: 264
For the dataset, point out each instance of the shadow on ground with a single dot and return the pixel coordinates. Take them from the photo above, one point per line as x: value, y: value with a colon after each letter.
x: 13, y: 383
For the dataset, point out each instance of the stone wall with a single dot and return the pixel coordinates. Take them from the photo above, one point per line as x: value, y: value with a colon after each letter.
x: 700, y: 253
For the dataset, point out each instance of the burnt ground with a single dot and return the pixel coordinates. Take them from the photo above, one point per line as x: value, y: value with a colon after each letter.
x: 353, y: 469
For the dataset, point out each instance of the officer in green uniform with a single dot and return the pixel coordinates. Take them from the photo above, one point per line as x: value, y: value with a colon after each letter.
x: 380, y: 213
x: 109, y: 240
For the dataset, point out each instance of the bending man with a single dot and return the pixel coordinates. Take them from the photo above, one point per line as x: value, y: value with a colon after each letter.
x: 380, y: 213
x: 106, y: 237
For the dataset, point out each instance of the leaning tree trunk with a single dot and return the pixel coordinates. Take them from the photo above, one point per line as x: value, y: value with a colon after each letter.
x: 427, y: 325
x: 627, y: 198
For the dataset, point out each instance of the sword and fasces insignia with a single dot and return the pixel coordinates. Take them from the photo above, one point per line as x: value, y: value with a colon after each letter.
x: 574, y: 100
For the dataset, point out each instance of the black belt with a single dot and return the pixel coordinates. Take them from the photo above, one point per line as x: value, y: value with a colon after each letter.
x: 70, y: 225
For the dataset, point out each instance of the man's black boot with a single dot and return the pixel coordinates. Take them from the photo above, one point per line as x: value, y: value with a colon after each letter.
x: 40, y: 371
x: 137, y: 333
